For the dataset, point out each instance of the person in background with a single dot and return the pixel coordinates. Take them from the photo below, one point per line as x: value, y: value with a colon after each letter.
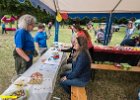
x: 135, y: 41
x: 100, y: 35
x: 3, y: 28
x: 81, y: 72
x: 70, y: 50
x: 24, y: 42
x: 41, y: 39
x: 91, y: 27
x: 82, y: 32
x: 129, y: 30
x: 49, y: 27
x: 133, y: 22
x: 73, y: 30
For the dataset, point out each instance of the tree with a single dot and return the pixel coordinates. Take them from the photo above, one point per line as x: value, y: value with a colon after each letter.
x: 85, y: 20
x: 13, y: 7
x: 123, y: 21
x: 95, y: 20
x: 115, y: 20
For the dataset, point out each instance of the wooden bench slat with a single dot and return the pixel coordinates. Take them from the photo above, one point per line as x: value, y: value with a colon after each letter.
x: 112, y: 67
x: 78, y: 93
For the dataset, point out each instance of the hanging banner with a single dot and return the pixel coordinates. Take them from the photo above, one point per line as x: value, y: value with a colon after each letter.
x: 64, y: 16
x: 58, y: 17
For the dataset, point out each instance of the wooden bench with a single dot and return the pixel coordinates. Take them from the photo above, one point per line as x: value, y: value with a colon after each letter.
x: 113, y: 68
x: 78, y: 93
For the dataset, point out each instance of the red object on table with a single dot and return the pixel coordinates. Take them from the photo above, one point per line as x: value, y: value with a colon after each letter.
x: 117, y: 54
x: 117, y: 49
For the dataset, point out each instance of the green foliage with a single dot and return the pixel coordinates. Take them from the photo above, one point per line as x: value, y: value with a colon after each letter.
x: 85, y: 20
x: 115, y: 20
x: 13, y: 7
x: 95, y: 19
x: 123, y: 20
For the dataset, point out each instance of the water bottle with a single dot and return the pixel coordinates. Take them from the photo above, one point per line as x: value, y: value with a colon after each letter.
x: 139, y: 94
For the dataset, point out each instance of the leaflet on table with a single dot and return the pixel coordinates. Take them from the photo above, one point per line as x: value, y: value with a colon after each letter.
x: 48, y: 68
x: 51, y: 61
x: 46, y: 86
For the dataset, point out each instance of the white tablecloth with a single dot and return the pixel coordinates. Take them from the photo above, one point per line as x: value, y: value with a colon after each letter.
x: 49, y: 69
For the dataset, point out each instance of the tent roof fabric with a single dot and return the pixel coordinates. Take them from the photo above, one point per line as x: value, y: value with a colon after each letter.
x: 89, y: 6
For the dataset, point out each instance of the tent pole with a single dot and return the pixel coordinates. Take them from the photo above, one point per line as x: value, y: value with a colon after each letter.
x: 56, y: 22
x: 108, y: 29
x: 56, y: 31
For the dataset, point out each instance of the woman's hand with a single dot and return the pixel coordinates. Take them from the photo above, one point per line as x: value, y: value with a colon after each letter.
x: 64, y: 78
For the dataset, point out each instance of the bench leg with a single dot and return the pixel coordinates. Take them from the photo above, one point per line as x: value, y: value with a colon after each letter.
x: 93, y: 72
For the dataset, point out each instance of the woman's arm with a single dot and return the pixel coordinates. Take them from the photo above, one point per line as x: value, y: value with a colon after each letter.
x: 67, y: 50
x: 22, y: 54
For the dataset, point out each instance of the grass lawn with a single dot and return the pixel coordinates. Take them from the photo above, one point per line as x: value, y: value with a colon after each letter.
x: 108, y: 85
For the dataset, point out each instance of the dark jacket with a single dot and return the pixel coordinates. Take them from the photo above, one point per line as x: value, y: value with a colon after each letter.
x: 81, y: 68
x: 129, y: 42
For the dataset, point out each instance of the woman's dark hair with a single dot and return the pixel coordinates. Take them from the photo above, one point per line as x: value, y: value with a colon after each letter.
x: 82, y: 43
x: 83, y: 47
x: 82, y: 29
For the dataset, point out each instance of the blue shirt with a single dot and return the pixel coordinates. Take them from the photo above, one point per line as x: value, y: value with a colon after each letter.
x: 40, y: 38
x: 3, y: 25
x: 24, y: 40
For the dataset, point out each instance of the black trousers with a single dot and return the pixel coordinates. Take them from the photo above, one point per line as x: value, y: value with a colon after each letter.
x: 3, y: 30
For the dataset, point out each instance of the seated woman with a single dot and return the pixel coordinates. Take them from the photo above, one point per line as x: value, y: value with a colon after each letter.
x: 81, y: 72
x: 131, y: 42
x: 81, y: 32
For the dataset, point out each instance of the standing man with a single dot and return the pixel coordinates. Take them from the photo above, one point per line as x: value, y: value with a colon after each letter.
x: 24, y: 43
